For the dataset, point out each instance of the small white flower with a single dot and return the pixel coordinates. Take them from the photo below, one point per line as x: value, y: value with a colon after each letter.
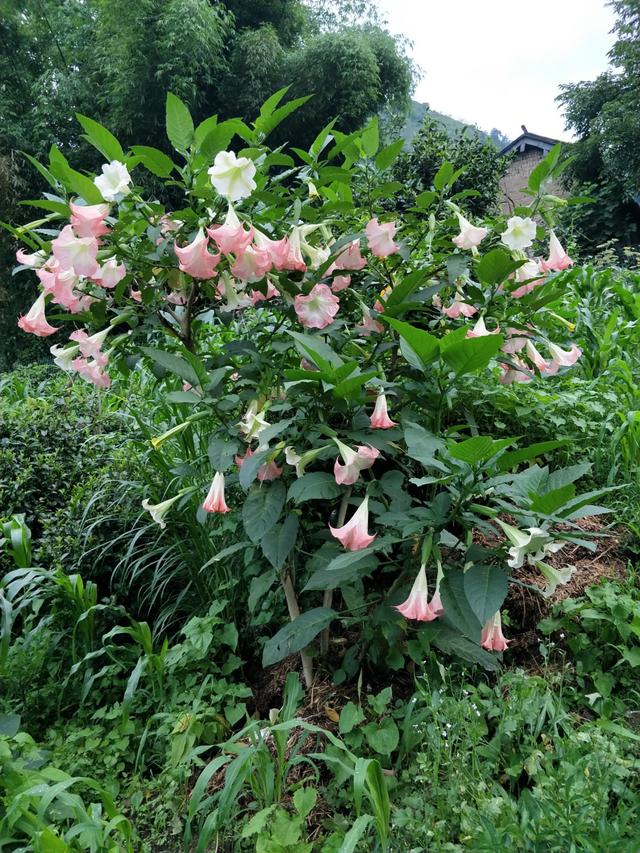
x: 520, y: 232
x: 232, y: 176
x: 114, y: 181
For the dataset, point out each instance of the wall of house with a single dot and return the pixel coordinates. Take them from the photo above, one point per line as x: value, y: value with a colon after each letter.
x: 518, y: 176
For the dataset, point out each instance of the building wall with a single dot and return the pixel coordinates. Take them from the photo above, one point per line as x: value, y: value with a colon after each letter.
x: 517, y: 178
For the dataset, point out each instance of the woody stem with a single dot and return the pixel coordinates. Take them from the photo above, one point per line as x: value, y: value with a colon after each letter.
x: 294, y: 612
x: 327, y: 599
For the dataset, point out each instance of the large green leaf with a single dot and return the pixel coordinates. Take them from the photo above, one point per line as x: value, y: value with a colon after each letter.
x: 101, y: 138
x: 485, y: 588
x: 154, y: 160
x: 173, y: 363
x: 423, y: 445
x: 388, y: 155
x: 180, y: 130
x: 496, y: 266
x: 342, y: 569
x: 262, y: 508
x: 314, y: 486
x: 450, y: 641
x: 550, y: 502
x: 277, y: 543
x: 478, y: 449
x: 470, y: 354
x: 458, y: 610
x: 83, y: 186
x: 424, y: 345
x: 221, y: 452
x: 526, y: 454
x: 297, y: 634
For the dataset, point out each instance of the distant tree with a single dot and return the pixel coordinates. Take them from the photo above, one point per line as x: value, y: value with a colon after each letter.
x: 483, y: 166
x: 605, y: 115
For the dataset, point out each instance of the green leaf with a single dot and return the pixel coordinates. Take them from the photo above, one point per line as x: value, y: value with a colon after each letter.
x: 297, y: 635
x: 304, y: 800
x: 443, y: 176
x: 478, y: 449
x: 9, y: 725
x: 270, y: 117
x: 538, y: 174
x: 316, y: 350
x: 258, y: 588
x: 180, y: 130
x: 83, y: 186
x: 457, y: 608
x: 407, y: 286
x: 450, y: 641
x: 471, y: 354
x: 526, y: 454
x: 173, y: 363
x: 496, y: 266
x: 485, y: 588
x: 250, y: 467
x: 424, y: 345
x: 342, y: 569
x: 101, y: 138
x: 423, y: 445
x: 370, y: 137
x: 351, y: 716
x: 262, y: 509
x: 221, y: 452
x: 382, y: 737
x: 46, y: 174
x: 358, y: 829
x: 278, y: 542
x: 314, y: 486
x: 389, y: 155
x: 154, y: 160
x: 550, y: 502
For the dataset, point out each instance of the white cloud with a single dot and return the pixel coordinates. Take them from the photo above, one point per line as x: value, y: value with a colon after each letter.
x: 500, y: 64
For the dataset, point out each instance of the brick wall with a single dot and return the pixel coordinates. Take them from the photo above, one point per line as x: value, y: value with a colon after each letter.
x: 517, y: 177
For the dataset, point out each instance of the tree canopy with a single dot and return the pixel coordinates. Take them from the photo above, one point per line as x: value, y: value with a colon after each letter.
x: 605, y: 115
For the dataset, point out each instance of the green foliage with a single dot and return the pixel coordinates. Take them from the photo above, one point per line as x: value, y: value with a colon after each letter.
x: 604, y: 114
x: 482, y: 166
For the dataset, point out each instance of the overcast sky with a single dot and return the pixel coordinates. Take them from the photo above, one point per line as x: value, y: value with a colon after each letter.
x: 499, y: 63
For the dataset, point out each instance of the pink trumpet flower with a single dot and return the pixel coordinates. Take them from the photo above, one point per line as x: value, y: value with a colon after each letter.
x: 195, y: 260
x: 76, y: 253
x: 88, y: 220
x: 492, y: 637
x: 294, y: 260
x: 90, y: 346
x: 368, y: 324
x: 317, y: 310
x: 535, y: 357
x: 354, y: 535
x: 417, y: 606
x: 34, y: 261
x: 355, y: 461
x: 252, y: 264
x: 563, y: 358
x: 92, y: 371
x: 459, y: 308
x: 350, y: 258
x: 470, y: 236
x: 110, y: 273
x: 480, y: 330
x: 340, y: 282
x: 380, y: 238
x: 380, y: 417
x: 529, y: 275
x: 231, y: 237
x: 278, y: 250
x: 35, y: 322
x: 558, y: 259
x: 214, y: 502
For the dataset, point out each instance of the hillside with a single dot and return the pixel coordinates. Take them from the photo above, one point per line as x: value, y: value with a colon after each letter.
x: 418, y: 111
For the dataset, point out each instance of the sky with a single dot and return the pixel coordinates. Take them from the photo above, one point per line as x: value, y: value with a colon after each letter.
x: 499, y: 63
